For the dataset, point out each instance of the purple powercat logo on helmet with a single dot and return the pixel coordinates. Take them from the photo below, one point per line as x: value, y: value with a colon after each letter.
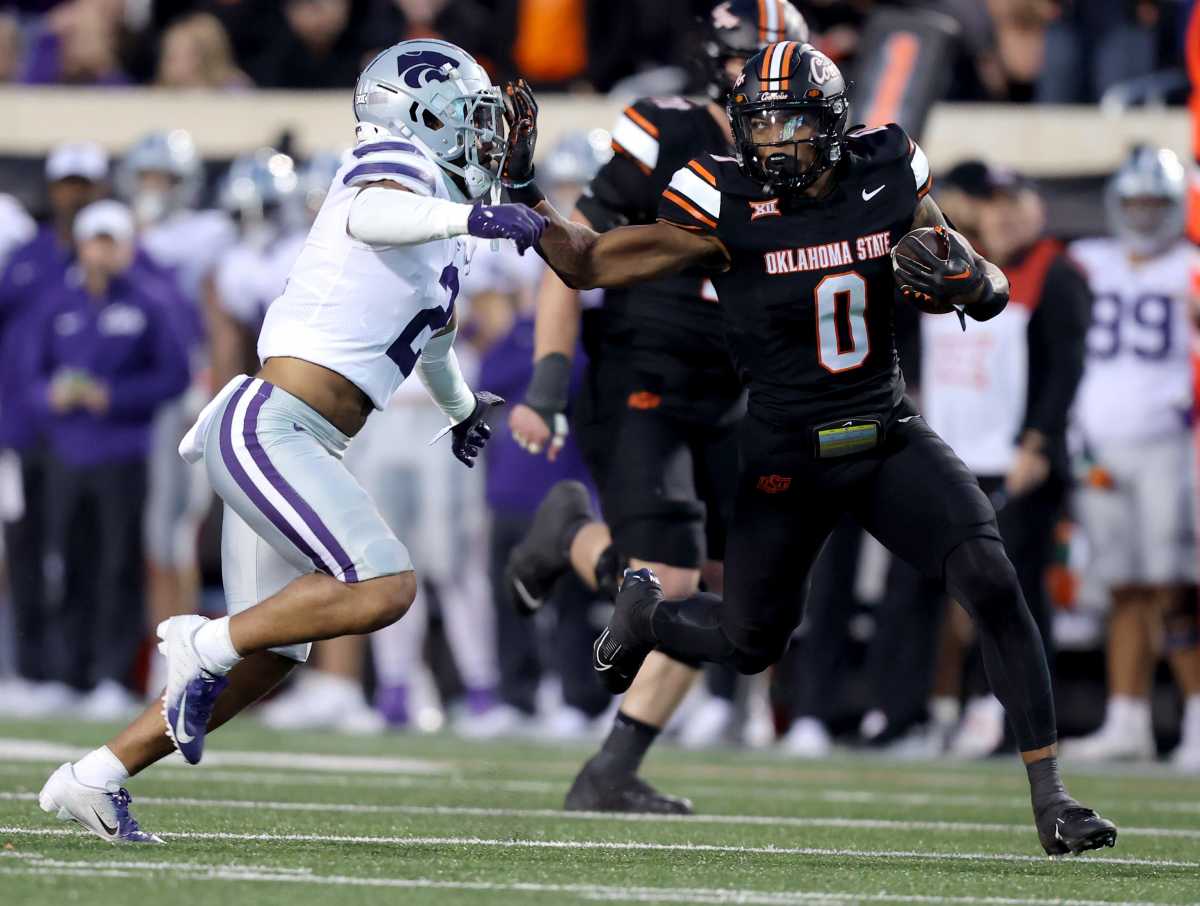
x: 417, y: 68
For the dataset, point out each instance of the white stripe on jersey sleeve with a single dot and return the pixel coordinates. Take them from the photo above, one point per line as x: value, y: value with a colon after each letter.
x: 920, y: 166
x: 697, y: 191
x: 392, y: 160
x: 641, y: 145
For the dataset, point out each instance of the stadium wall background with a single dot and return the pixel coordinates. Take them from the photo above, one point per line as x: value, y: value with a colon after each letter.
x: 1068, y: 150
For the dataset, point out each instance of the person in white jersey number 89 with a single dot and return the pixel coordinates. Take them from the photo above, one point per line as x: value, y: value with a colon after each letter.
x: 305, y: 553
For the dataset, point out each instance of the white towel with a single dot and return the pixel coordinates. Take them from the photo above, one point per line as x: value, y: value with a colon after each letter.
x: 191, y: 448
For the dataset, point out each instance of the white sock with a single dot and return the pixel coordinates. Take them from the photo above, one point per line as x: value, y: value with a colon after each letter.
x: 1128, y: 714
x: 1191, y: 722
x: 945, y: 710
x: 99, y: 768
x: 215, y: 647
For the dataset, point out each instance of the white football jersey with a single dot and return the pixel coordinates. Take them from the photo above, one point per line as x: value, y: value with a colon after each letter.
x: 360, y: 310
x: 190, y: 243
x: 253, y: 275
x: 1138, y: 379
x: 974, y: 384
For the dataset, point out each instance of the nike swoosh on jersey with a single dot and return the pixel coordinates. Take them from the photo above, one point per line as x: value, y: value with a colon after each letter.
x: 907, y: 419
x: 181, y: 734
x: 111, y: 831
x: 867, y: 196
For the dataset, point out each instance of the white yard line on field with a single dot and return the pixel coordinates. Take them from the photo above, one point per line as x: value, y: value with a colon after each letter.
x: 42, y: 750
x: 173, y: 773
x: 450, y: 811
x: 597, y: 892
x: 628, y: 845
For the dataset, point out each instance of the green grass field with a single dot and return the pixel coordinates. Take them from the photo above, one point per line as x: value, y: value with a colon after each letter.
x: 294, y: 819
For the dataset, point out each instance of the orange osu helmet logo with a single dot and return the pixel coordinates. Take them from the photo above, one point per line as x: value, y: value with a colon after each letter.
x: 768, y: 208
x: 644, y: 399
x: 774, y: 484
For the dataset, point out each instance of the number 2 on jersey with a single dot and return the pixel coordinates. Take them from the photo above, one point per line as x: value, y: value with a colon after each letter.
x: 841, y: 310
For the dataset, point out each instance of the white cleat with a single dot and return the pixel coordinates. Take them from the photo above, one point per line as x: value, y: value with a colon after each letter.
x: 1111, y: 743
x: 711, y: 723
x: 982, y: 729
x: 1186, y: 758
x: 103, y: 812
x: 191, y: 690
x: 807, y: 738
x: 109, y: 701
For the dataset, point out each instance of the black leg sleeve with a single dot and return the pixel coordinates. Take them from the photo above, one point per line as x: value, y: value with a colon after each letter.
x: 690, y: 630
x: 981, y: 578
x: 516, y: 636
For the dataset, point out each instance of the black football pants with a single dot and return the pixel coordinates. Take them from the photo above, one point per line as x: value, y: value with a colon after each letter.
x: 913, y: 494
x: 94, y: 522
x: 25, y: 548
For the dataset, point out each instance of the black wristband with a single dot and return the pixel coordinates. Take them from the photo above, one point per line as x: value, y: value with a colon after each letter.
x: 526, y: 193
x: 550, y: 385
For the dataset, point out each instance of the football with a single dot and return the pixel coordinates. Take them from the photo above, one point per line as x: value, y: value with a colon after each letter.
x: 936, y: 241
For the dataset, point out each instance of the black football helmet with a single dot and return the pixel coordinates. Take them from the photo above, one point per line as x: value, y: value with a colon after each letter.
x: 784, y: 88
x: 738, y: 29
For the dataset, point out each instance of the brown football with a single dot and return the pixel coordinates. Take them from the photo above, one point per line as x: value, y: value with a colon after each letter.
x: 935, y: 240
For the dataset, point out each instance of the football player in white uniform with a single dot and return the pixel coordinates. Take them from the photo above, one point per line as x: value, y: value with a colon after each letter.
x: 305, y: 553
x: 1133, y: 411
x: 261, y: 191
x: 160, y: 178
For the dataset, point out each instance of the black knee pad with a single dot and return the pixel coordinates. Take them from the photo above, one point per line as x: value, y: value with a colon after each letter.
x: 610, y: 567
x: 979, y: 572
x: 1182, y: 621
x: 755, y: 651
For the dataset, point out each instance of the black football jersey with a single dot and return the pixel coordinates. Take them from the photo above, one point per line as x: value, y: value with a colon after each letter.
x: 809, y: 296
x: 670, y: 330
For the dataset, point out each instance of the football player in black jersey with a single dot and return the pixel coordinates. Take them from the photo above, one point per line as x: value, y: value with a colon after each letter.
x: 798, y: 229
x: 661, y: 391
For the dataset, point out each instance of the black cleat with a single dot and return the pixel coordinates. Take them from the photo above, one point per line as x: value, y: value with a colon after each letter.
x: 618, y: 653
x: 542, y: 557
x: 1064, y: 826
x: 595, y: 791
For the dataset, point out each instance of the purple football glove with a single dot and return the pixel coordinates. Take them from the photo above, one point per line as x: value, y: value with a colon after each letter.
x: 507, y: 221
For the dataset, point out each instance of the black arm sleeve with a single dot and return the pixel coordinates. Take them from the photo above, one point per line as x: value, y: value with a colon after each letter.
x: 1057, y: 347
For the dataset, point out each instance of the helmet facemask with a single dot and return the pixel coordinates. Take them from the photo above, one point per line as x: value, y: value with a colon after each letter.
x: 478, y: 149
x: 788, y: 145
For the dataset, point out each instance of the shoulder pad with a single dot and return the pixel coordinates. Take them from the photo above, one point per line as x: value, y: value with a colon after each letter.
x: 880, y: 144
x: 392, y: 159
x: 647, y: 122
x: 883, y: 145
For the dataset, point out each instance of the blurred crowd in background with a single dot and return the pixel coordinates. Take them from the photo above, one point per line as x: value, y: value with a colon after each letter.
x: 142, y: 284
x: 1055, y: 51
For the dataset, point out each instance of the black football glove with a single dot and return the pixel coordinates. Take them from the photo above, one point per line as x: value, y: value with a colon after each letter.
x: 926, y: 278
x: 520, y: 115
x: 471, y: 435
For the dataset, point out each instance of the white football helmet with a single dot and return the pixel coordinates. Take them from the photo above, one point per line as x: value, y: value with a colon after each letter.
x: 434, y: 93
x: 172, y: 153
x: 1146, y: 200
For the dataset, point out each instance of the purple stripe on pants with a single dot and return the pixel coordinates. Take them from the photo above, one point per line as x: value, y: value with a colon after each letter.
x: 248, y: 487
x: 250, y: 434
